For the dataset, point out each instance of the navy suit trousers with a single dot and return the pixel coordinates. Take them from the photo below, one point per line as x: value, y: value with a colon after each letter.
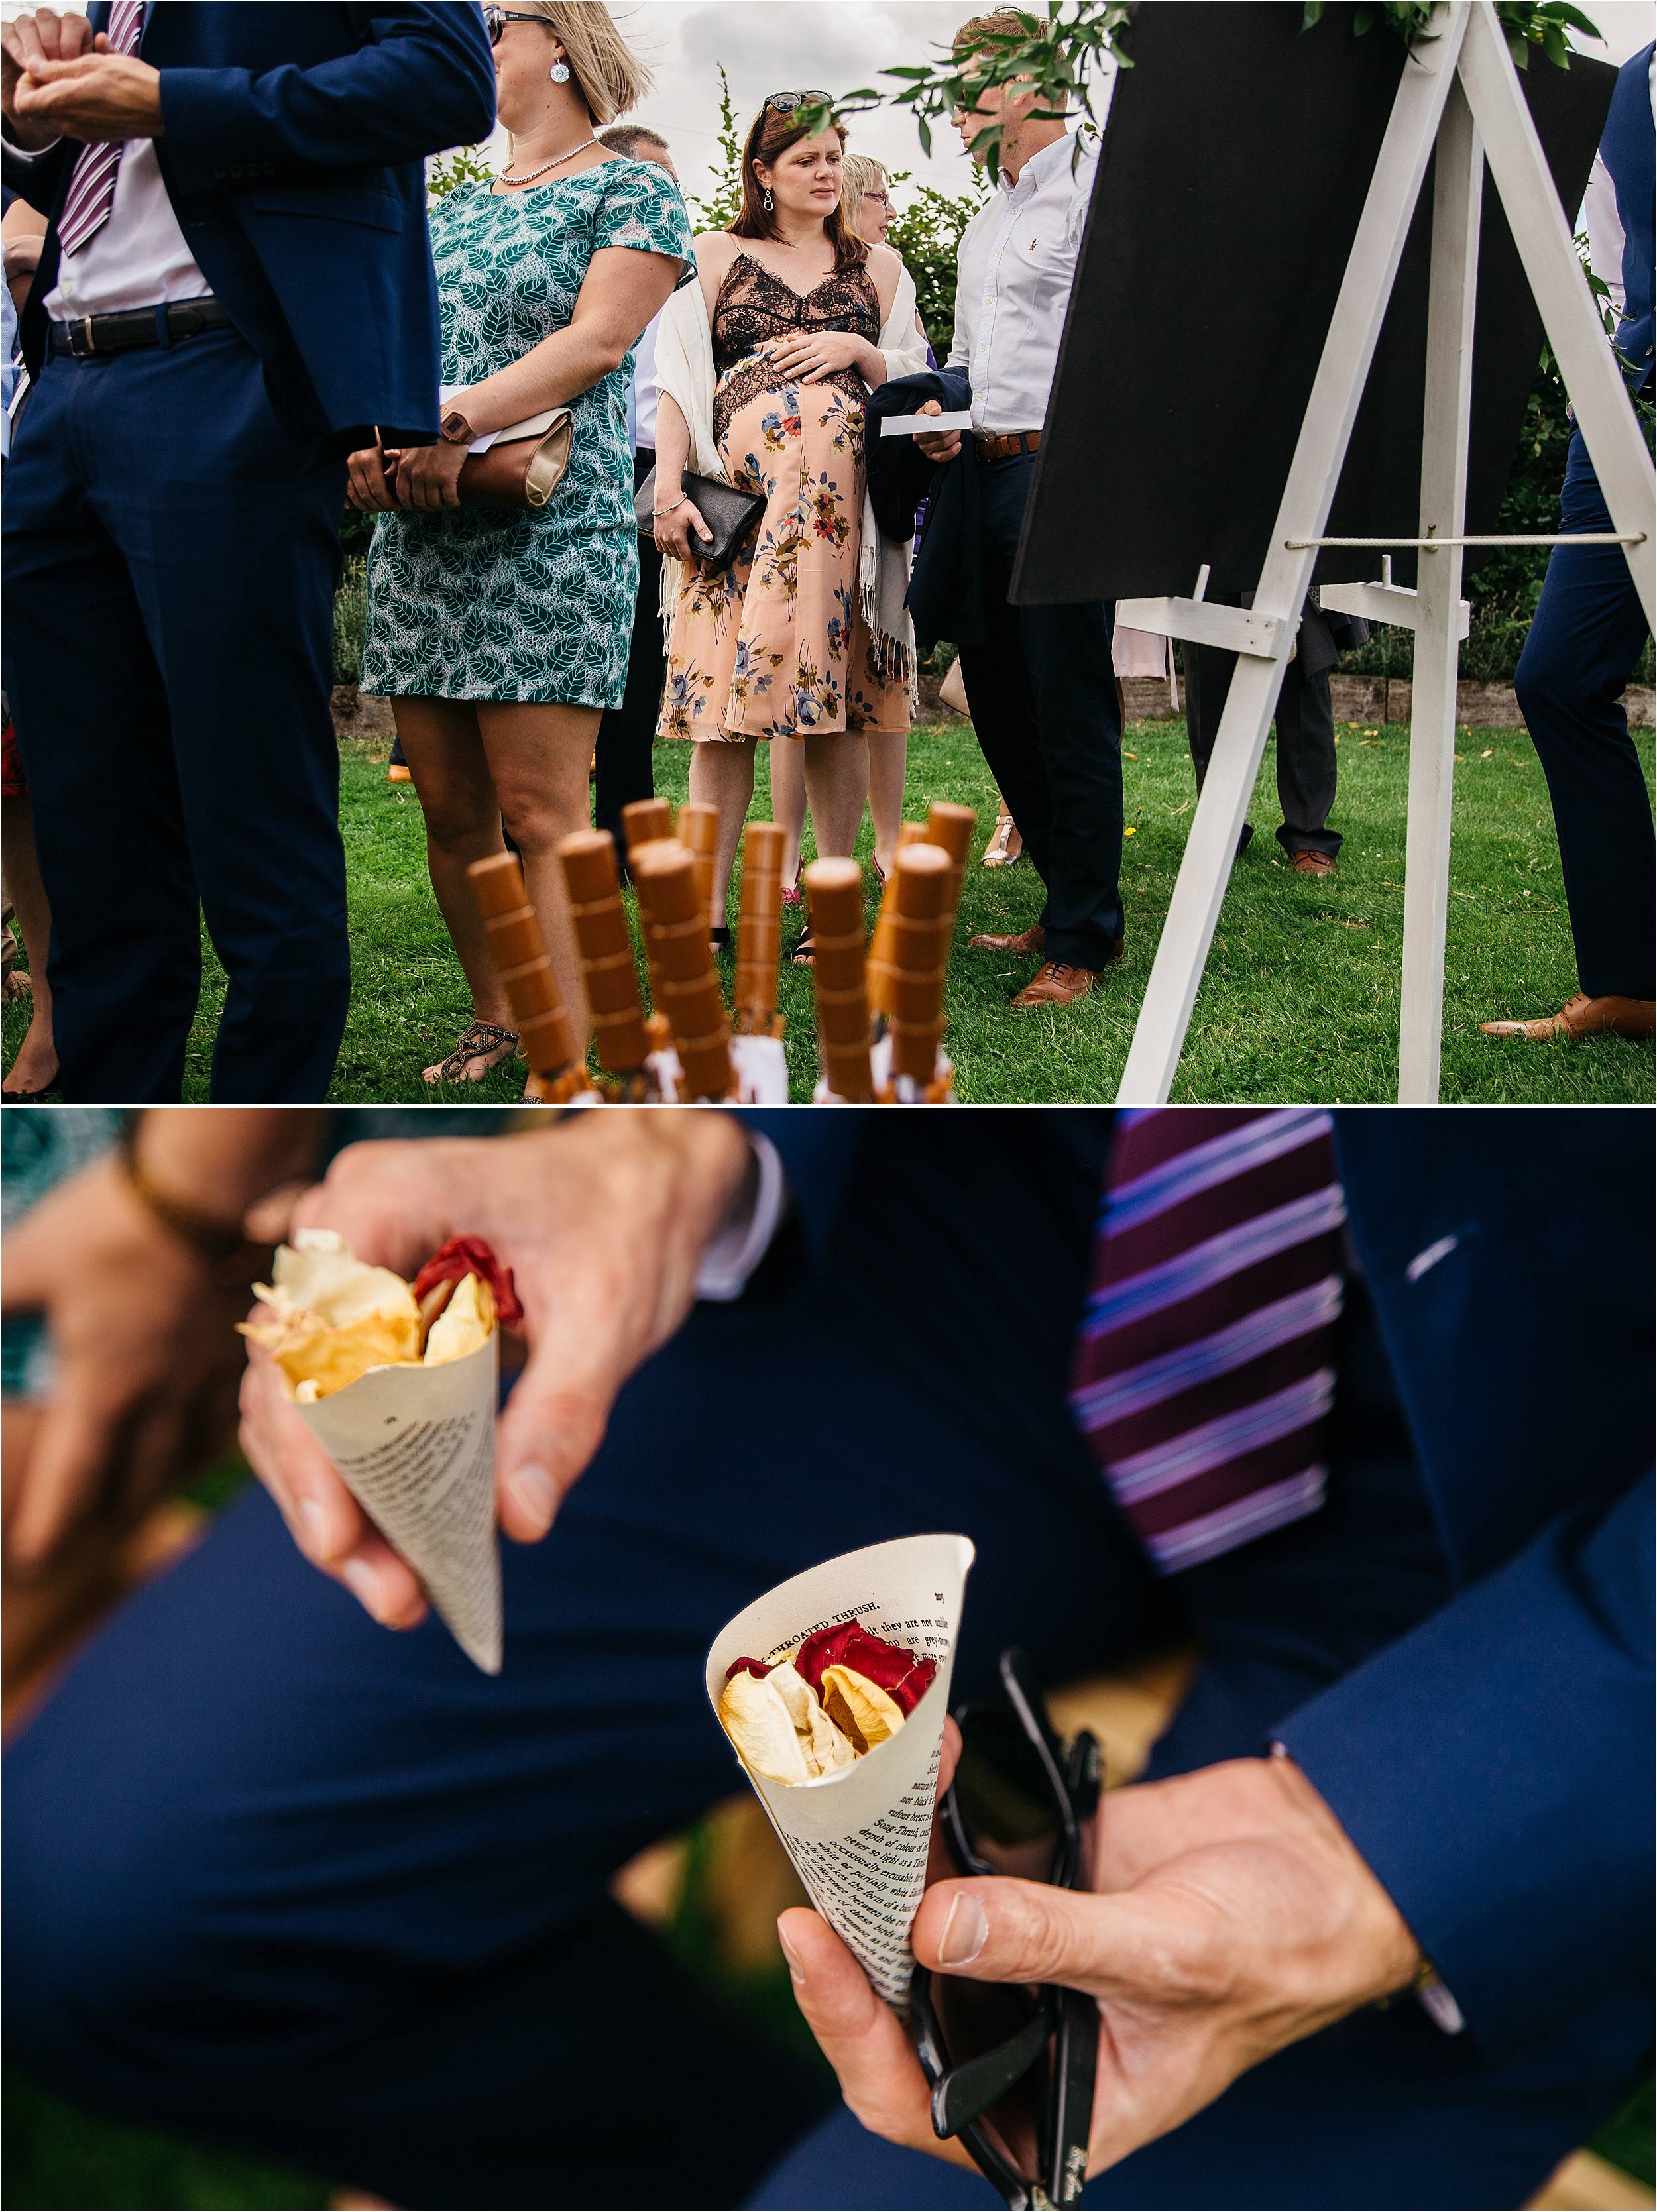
x: 277, y: 1874
x: 1589, y: 633
x: 171, y: 553
x: 1042, y: 689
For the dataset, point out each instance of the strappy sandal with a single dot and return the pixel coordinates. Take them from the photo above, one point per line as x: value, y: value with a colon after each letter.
x: 1005, y: 846
x: 719, y: 938
x: 484, y: 1040
x: 805, y: 952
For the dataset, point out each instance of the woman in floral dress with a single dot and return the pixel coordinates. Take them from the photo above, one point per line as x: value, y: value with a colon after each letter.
x: 802, y: 318
x: 502, y: 636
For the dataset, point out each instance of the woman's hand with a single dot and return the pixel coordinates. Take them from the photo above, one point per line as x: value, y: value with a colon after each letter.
x: 1238, y: 1918
x: 428, y: 476
x: 368, y: 487
x: 808, y: 357
x: 674, y: 533
x: 602, y: 1223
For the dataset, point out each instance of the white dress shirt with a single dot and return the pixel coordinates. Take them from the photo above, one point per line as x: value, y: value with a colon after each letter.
x: 641, y: 392
x: 741, y: 1242
x: 1017, y: 264
x: 137, y: 258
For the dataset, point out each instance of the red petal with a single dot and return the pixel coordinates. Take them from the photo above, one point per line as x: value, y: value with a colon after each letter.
x: 905, y: 1678
x: 757, y: 1667
x: 470, y: 1256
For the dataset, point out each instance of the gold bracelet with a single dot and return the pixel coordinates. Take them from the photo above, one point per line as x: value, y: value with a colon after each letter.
x: 210, y: 1236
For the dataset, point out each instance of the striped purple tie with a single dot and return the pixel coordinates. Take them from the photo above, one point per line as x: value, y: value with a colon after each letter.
x: 1202, y: 1376
x: 92, y: 186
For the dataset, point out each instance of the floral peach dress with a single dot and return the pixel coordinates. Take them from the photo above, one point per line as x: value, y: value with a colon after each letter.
x: 775, y: 645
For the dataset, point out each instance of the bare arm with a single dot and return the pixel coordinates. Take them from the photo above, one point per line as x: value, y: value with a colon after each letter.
x: 623, y: 289
x: 674, y: 528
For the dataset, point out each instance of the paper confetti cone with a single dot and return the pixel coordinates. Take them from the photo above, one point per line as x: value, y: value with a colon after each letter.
x: 416, y: 1446
x: 858, y: 1837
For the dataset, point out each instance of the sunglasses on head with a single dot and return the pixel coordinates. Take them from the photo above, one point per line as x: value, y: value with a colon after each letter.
x: 784, y: 103
x: 1011, y: 2067
x: 496, y: 19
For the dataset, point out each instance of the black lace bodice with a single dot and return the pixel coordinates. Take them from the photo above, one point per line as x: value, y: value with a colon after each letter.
x: 754, y: 306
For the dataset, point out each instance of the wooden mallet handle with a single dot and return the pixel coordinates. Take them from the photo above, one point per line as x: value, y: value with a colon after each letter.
x: 697, y: 826
x: 920, y: 958
x: 664, y: 874
x: 527, y: 976
x: 834, y: 889
x: 606, y: 949
x: 880, y: 946
x: 760, y: 928
x: 643, y: 819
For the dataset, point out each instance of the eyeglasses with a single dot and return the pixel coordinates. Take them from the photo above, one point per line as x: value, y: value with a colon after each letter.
x: 784, y: 103
x: 884, y: 198
x: 496, y: 19
x: 1012, y: 2066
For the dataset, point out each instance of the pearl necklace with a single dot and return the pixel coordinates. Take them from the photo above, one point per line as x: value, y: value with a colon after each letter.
x: 507, y: 177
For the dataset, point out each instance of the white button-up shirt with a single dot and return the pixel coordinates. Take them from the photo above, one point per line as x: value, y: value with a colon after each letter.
x: 1017, y: 263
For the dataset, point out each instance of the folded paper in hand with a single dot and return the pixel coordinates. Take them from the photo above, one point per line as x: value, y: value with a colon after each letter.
x: 905, y: 426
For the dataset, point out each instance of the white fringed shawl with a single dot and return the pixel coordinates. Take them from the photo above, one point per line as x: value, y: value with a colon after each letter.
x: 684, y: 373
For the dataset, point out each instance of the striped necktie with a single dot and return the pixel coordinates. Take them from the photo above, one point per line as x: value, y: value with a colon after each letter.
x: 92, y: 186
x: 1202, y: 1376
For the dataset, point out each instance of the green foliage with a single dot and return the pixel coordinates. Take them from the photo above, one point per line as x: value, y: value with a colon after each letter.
x: 1526, y: 23
x: 351, y: 610
x: 927, y: 235
x: 465, y: 165
x: 718, y: 208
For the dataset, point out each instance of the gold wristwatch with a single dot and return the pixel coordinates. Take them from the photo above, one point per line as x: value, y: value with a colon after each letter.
x: 454, y: 429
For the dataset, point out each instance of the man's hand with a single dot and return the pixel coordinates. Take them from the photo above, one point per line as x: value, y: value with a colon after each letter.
x: 428, y: 476
x: 1236, y: 1918
x: 366, y: 485
x: 98, y: 97
x: 147, y: 1357
x: 602, y: 1223
x: 937, y: 445
x: 44, y: 37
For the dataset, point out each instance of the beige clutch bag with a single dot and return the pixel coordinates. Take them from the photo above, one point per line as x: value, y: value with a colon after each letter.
x: 523, y: 467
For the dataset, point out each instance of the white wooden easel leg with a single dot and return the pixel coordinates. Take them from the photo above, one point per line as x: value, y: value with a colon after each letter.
x: 1457, y: 181
x: 1239, y: 742
x: 1610, y: 428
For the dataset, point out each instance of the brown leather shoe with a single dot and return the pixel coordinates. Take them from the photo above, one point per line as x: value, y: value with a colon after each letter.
x: 1581, y: 1017
x: 1032, y: 940
x: 1313, y: 863
x: 1056, y: 982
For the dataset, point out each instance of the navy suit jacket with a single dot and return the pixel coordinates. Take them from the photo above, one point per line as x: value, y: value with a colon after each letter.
x: 293, y: 154
x: 1493, y: 1766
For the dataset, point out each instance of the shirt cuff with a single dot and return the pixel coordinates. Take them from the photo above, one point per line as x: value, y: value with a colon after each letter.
x: 730, y: 1256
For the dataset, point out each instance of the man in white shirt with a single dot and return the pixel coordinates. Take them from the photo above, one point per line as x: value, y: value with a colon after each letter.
x: 627, y: 732
x: 1039, y: 678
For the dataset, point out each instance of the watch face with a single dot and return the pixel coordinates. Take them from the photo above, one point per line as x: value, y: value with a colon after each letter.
x: 456, y: 429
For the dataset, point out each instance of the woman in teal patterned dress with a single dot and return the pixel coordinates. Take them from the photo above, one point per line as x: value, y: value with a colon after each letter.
x: 501, y: 636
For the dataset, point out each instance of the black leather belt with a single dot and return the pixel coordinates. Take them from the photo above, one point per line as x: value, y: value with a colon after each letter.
x: 137, y: 326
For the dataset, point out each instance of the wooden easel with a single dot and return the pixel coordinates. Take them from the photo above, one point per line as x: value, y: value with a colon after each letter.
x: 1459, y: 93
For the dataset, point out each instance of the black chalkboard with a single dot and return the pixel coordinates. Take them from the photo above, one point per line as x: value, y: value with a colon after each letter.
x: 1235, y: 159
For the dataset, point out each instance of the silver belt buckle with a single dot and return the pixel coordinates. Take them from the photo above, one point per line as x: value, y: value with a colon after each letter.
x: 83, y: 325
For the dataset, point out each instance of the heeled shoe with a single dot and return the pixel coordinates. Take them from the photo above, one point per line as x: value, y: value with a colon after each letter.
x: 1005, y: 846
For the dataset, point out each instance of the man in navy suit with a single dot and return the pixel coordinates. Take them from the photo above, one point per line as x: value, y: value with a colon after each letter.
x: 279, y: 1874
x: 235, y: 288
x: 1590, y: 631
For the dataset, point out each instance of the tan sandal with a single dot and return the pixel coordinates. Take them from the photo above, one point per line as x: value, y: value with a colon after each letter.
x: 1005, y: 846
x: 484, y: 1040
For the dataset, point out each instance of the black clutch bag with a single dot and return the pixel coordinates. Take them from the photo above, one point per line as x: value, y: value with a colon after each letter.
x: 729, y: 515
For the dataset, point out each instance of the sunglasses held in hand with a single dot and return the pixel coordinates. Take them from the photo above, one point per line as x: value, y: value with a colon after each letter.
x: 1012, y: 2066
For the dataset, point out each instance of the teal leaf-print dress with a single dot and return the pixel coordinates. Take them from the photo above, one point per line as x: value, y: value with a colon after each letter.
x: 476, y: 603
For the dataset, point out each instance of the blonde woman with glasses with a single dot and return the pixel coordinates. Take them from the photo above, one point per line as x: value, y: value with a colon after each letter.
x: 502, y: 634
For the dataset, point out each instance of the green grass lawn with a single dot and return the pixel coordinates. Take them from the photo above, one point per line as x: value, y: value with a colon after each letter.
x: 1299, y: 1001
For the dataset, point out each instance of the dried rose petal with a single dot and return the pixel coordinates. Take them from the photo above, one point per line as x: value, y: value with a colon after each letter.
x: 905, y: 1678
x: 470, y: 1256
x: 757, y: 1668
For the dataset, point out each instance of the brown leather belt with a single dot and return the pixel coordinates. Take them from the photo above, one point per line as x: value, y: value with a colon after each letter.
x: 1003, y: 448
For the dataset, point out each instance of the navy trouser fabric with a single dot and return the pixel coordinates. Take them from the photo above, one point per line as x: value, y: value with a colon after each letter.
x: 1587, y: 634
x: 1042, y: 688
x: 275, y: 1874
x: 171, y: 553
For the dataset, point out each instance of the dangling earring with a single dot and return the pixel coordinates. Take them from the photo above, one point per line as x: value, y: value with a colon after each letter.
x: 559, y: 72
x: 768, y: 203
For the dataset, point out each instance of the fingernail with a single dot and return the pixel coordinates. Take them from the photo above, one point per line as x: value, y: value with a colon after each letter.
x: 359, y: 1579
x: 796, y: 1970
x: 535, y: 1495
x: 965, y: 1932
